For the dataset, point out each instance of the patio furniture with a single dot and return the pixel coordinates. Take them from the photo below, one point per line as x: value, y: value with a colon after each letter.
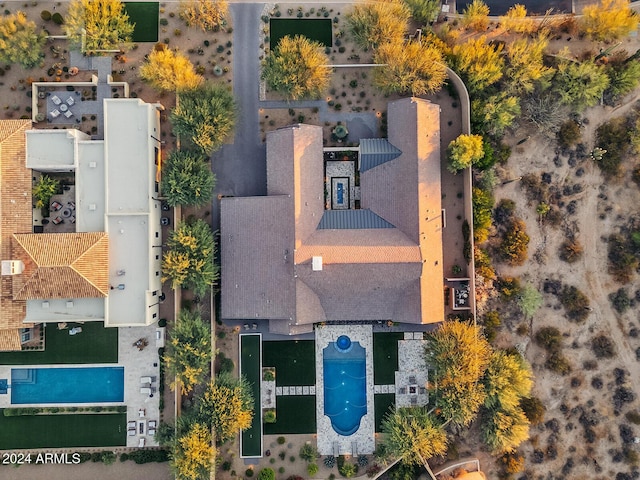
x: 75, y: 330
x: 57, y: 221
x: 62, y: 325
x: 72, y: 205
x: 140, y: 442
x: 147, y: 379
x: 152, y: 431
x: 55, y: 99
x: 68, y: 114
x: 412, y: 379
x: 403, y: 390
x: 147, y: 390
x: 72, y: 219
x: 66, y: 212
x: 131, y: 424
x: 70, y: 101
x: 63, y: 107
x: 152, y: 424
x: 131, y: 432
x: 54, y: 114
x: 55, y: 206
x: 141, y: 413
x: 414, y: 400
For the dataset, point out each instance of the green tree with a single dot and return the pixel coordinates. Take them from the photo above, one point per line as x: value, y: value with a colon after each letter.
x: 424, y: 11
x: 503, y: 430
x: 413, y: 435
x: 415, y: 68
x: 525, y: 65
x: 507, y: 380
x: 482, y: 206
x: 608, y: 20
x: 529, y: 300
x: 479, y: 64
x: 95, y: 25
x: 464, y: 151
x: 297, y: 68
x: 495, y: 114
x: 476, y: 16
x: 516, y: 20
x: 580, y: 85
x: 20, y: 42
x: 374, y: 23
x: 188, y: 261
x: 167, y: 70
x: 514, y: 246
x: 187, y: 179
x: 205, y: 116
x: 208, y: 15
x: 188, y: 354
x: 227, y: 405
x: 267, y: 474
x: 44, y: 190
x: 459, y: 354
x: 309, y: 453
x: 624, y: 77
x: 192, y: 454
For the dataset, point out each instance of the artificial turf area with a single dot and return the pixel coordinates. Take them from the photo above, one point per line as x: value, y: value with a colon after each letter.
x: 294, y: 361
x: 294, y: 414
x: 383, y: 402
x: 317, y: 30
x: 385, y: 357
x: 95, y: 344
x: 144, y: 15
x: 63, y: 431
x: 251, y: 443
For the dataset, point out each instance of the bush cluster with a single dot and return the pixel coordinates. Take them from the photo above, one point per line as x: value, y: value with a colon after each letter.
x: 575, y: 303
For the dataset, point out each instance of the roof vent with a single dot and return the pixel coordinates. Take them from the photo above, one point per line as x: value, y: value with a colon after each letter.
x: 12, y: 267
x: 316, y: 264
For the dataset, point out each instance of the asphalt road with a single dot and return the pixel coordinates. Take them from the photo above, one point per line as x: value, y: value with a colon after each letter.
x: 241, y: 167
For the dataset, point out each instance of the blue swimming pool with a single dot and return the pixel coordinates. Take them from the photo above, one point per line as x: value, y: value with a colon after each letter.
x: 67, y: 385
x: 345, y: 385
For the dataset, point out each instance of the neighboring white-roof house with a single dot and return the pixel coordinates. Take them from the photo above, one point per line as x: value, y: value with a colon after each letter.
x: 113, y: 259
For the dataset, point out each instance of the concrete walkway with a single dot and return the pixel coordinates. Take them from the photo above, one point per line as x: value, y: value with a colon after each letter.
x: 95, y: 471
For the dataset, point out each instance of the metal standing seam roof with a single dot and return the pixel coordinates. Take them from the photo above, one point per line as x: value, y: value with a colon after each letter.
x: 352, y: 219
x: 376, y: 151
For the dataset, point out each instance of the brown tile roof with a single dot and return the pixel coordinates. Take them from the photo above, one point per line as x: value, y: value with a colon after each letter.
x: 10, y: 340
x: 61, y: 265
x: 381, y: 274
x: 15, y: 211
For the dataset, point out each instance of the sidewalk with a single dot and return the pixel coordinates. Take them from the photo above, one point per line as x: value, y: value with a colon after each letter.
x: 94, y: 471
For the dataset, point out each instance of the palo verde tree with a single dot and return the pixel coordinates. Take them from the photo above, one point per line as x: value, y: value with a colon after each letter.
x: 167, y: 70
x: 187, y: 179
x: 94, y: 25
x: 493, y: 115
x: 205, y: 116
x: 208, y: 15
x: 479, y: 64
x: 459, y: 355
x: 20, y: 42
x: 516, y: 20
x: 188, y: 261
x: 525, y: 65
x: 188, y: 354
x: 412, y: 68
x: 297, y: 68
x: 476, y: 16
x: 374, y: 23
x: 580, y: 85
x: 504, y: 429
x: 424, y: 11
x: 507, y: 380
x: 227, y: 404
x: 608, y: 20
x: 192, y: 453
x: 464, y: 151
x: 413, y: 435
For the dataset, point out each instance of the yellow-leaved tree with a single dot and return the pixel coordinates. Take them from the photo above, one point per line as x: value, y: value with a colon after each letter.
x: 464, y: 151
x: 516, y: 20
x: 193, y: 453
x: 525, y: 65
x: 169, y: 71
x: 374, y: 23
x: 476, y: 16
x: 20, y: 41
x: 608, y: 20
x: 208, y: 15
x: 479, y: 63
x: 95, y: 25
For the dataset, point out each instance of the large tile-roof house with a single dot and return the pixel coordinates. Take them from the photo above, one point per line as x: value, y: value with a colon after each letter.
x: 107, y: 268
x: 287, y: 260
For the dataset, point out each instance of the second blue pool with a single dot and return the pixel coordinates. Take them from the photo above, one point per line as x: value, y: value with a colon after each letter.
x: 67, y: 385
x: 345, y: 385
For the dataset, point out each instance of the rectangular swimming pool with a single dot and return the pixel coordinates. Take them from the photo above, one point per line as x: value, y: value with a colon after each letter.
x: 67, y: 385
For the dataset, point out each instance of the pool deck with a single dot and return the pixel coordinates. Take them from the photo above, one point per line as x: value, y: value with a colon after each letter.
x: 137, y: 364
x: 363, y: 440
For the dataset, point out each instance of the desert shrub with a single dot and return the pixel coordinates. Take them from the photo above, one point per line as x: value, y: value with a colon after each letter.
x: 373, y: 470
x: 620, y: 300
x: 603, y: 347
x: 363, y: 461
x: 613, y: 137
x: 503, y: 213
x: 57, y: 19
x: 84, y: 456
x: 558, y: 363
x: 575, y: 303
x: 534, y: 189
x: 633, y: 417
x: 148, y: 456
x: 466, y: 237
x: 635, y: 174
x: 226, y: 466
x: 491, y: 321
x: 515, y: 243
x: 571, y: 251
x: 549, y: 338
x: 569, y: 134
x: 329, y: 461
x: 248, y: 472
x: 621, y: 396
x: 622, y: 261
x: 281, y: 440
x: 312, y: 469
x: 509, y: 287
x: 308, y: 452
x: 483, y: 264
x: 45, y: 15
x: 482, y: 206
x: 269, y: 416
x: 267, y: 474
x: 533, y: 409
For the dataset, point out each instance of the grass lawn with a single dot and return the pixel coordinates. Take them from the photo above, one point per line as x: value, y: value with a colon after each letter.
x: 145, y: 17
x: 383, y: 403
x: 294, y: 414
x: 95, y: 344
x: 294, y: 361
x: 385, y: 357
x: 63, y: 431
x: 318, y: 30
x: 250, y: 365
